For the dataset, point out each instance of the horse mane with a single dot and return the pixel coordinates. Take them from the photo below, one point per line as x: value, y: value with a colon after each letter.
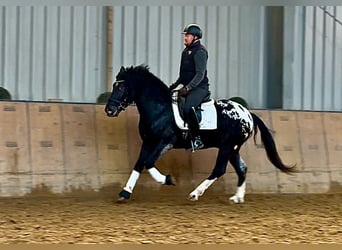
x: 143, y: 71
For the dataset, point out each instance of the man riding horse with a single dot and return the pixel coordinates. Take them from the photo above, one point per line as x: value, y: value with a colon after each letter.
x: 193, y: 75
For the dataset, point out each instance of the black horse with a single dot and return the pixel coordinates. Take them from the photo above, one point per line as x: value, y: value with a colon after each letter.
x: 159, y: 132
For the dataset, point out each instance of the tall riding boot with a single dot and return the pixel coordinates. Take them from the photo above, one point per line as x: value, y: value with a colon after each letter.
x: 193, y: 123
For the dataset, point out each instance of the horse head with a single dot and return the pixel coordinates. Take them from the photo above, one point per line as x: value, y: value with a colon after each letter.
x: 119, y: 99
x: 134, y: 84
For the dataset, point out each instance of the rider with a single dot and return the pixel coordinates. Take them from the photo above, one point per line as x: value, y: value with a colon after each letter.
x: 193, y: 75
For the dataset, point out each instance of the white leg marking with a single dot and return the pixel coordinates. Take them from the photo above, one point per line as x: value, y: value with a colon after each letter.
x: 199, y: 191
x: 157, y: 176
x: 132, y: 181
x: 239, y: 196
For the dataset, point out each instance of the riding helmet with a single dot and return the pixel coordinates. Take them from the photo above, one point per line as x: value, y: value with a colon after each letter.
x: 193, y: 29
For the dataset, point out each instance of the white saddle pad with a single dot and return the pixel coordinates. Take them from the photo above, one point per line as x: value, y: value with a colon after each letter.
x: 209, y: 116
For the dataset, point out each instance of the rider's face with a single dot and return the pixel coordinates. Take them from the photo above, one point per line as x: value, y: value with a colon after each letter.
x: 188, y: 39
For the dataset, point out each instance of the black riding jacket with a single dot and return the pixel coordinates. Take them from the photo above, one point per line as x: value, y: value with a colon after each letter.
x: 193, y: 67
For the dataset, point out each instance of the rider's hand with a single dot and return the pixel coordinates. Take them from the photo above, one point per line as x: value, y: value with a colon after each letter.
x: 183, y: 91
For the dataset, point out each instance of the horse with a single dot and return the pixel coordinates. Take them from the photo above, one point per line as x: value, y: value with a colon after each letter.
x: 160, y: 133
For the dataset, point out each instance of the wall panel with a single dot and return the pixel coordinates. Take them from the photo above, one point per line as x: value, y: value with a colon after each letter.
x: 313, y: 147
x: 111, y: 137
x: 313, y: 58
x: 53, y: 52
x: 15, y: 163
x: 47, y: 150
x: 286, y: 136
x: 79, y: 138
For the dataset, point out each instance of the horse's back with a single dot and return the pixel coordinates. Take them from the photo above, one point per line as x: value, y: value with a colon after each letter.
x: 230, y: 112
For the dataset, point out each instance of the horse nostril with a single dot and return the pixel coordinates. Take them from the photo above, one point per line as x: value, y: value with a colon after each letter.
x: 109, y: 108
x: 111, y: 111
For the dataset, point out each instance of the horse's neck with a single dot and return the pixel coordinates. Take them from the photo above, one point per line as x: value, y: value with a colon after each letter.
x: 151, y: 105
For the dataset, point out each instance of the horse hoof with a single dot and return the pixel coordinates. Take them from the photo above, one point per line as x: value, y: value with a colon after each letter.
x: 168, y: 181
x: 121, y: 200
x: 193, y: 197
x: 123, y: 196
x: 237, y: 200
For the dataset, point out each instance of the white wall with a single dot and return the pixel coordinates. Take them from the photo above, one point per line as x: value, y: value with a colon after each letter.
x: 313, y: 58
x: 53, y: 52
x: 233, y: 36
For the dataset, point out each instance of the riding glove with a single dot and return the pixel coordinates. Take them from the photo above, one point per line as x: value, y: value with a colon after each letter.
x: 183, y: 91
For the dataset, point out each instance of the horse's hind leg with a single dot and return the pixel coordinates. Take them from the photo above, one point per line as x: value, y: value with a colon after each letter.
x: 219, y: 170
x: 241, y: 171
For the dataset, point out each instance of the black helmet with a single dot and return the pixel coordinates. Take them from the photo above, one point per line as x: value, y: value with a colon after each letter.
x: 193, y: 29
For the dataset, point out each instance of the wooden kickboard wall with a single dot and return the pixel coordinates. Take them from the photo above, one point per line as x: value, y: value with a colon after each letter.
x: 70, y: 147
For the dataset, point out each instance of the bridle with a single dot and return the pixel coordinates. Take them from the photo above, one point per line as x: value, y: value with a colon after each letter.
x: 122, y: 105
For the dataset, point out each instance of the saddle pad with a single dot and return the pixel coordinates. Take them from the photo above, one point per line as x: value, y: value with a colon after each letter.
x: 209, y: 116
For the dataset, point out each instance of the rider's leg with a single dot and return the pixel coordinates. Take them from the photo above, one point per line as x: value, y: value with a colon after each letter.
x: 194, y: 130
x: 193, y: 100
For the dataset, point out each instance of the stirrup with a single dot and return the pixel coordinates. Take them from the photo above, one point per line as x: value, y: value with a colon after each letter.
x: 197, y: 144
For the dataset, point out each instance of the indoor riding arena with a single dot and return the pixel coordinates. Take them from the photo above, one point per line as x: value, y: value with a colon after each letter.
x: 63, y: 165
x: 63, y: 161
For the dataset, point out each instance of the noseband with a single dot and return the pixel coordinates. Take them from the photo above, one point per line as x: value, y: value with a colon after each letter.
x: 122, y: 105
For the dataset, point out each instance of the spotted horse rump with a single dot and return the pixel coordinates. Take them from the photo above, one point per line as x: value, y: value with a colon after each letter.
x: 236, y: 111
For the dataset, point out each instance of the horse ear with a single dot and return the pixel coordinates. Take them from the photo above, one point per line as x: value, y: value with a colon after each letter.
x: 122, y: 69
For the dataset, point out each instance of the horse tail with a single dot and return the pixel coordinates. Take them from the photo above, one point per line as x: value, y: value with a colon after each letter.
x: 270, y: 146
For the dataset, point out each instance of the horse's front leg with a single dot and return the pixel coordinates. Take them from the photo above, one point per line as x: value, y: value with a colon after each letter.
x: 148, y: 156
x: 126, y: 192
x: 241, y: 171
x: 155, y: 154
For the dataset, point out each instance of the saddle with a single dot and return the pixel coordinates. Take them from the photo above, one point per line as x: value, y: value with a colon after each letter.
x: 206, y: 112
